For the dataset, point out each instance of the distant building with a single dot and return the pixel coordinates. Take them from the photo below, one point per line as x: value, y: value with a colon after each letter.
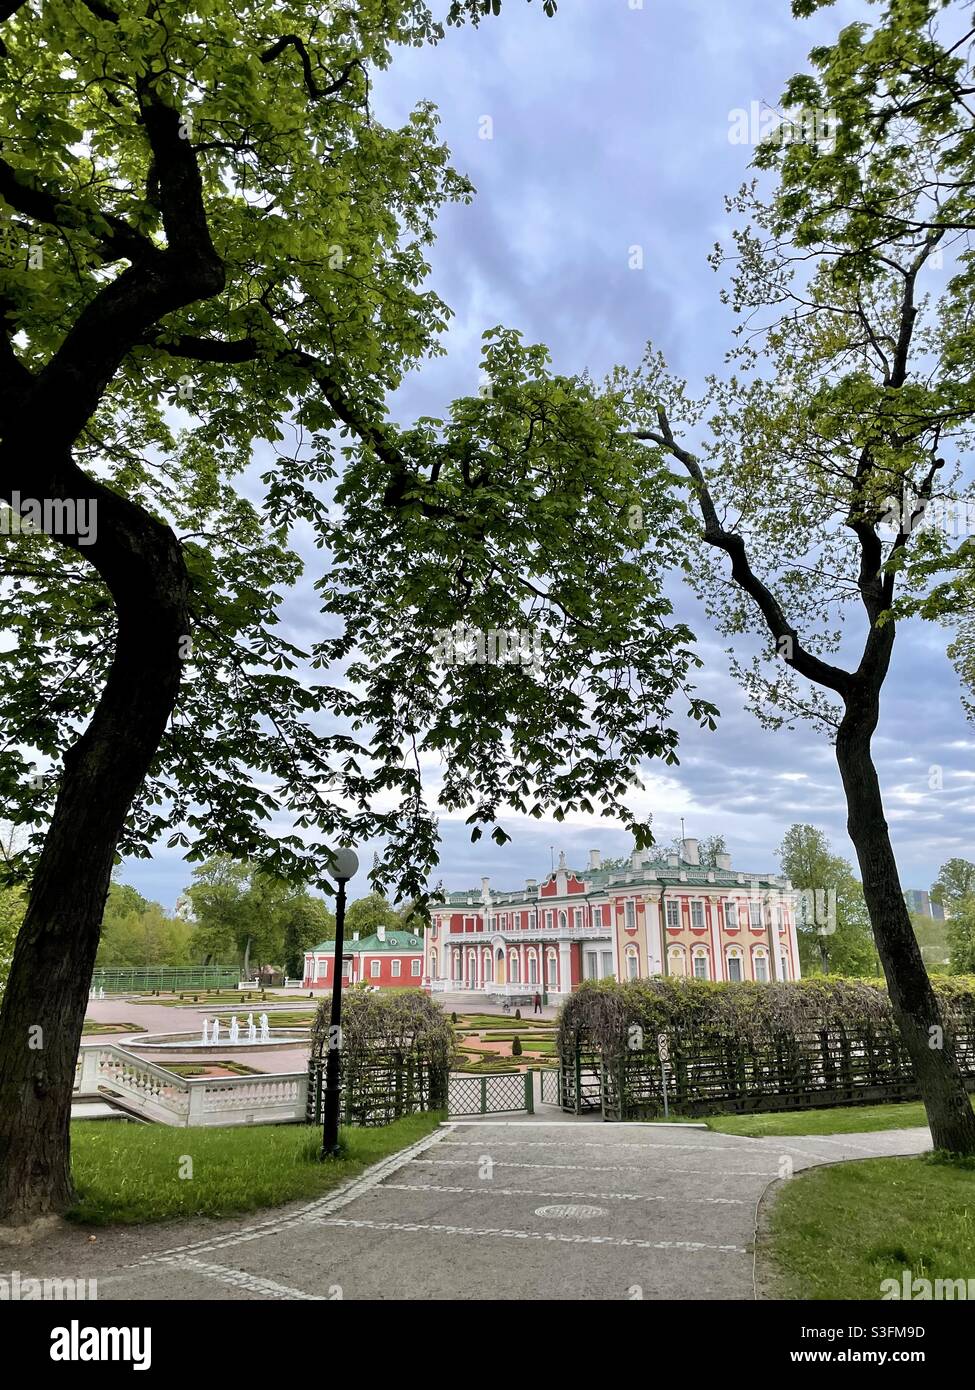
x: 923, y: 904
x: 385, y: 958
x: 667, y: 915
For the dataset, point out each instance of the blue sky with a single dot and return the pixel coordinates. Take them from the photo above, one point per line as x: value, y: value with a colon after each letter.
x: 609, y: 129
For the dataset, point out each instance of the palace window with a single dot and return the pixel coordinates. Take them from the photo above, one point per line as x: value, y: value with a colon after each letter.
x: 550, y: 968
x: 630, y: 911
x: 677, y: 960
x: 730, y: 914
x: 761, y: 967
x: 532, y: 919
x: 755, y: 914
x: 734, y: 966
x: 577, y: 917
x: 632, y: 963
x: 550, y: 918
x: 697, y: 914
x: 673, y: 912
x: 597, y: 916
x: 700, y: 965
x: 783, y: 966
x: 397, y: 967
x: 514, y: 974
x: 532, y: 969
x: 374, y: 968
x: 415, y: 966
x: 563, y: 921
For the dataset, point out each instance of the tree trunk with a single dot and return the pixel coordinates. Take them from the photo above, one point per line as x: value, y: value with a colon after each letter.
x: 46, y: 996
x: 925, y: 1034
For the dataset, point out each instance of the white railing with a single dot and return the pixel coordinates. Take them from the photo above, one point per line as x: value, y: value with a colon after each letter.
x: 162, y: 1096
x: 588, y: 932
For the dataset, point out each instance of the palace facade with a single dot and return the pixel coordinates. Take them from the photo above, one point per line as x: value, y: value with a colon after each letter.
x: 658, y: 914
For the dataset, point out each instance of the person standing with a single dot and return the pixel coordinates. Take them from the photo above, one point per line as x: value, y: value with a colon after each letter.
x: 538, y: 1002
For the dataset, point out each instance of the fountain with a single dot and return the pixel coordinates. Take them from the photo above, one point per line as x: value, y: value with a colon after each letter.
x: 258, y: 1035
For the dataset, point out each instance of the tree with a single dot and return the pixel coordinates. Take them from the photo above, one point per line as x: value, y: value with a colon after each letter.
x: 138, y: 932
x: 306, y: 922
x: 961, y: 936
x: 955, y: 883
x: 812, y: 484
x: 711, y: 848
x: 842, y: 944
x: 365, y: 915
x: 210, y: 235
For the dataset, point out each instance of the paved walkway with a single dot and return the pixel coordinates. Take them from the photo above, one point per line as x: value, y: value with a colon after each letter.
x: 523, y: 1210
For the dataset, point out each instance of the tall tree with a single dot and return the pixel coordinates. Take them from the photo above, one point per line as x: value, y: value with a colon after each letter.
x: 809, y: 478
x: 204, y: 230
x: 955, y: 882
x: 833, y: 924
x: 231, y: 245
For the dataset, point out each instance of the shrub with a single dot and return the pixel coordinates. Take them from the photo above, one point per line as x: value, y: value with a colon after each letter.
x: 516, y: 1046
x: 517, y: 1013
x: 453, y: 1018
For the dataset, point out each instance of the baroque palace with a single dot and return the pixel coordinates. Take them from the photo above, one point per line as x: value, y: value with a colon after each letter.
x: 658, y: 914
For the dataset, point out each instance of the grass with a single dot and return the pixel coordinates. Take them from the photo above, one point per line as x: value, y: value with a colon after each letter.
x: 127, y: 1173
x: 837, y: 1232
x: 841, y: 1119
x: 473, y: 1022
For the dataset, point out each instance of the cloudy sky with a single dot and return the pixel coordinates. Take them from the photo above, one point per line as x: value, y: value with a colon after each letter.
x: 609, y: 129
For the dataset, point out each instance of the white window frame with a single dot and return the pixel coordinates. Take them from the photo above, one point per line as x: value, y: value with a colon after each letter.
x: 754, y: 909
x: 629, y: 913
x: 396, y: 969
x: 697, y: 906
x: 731, y: 913
x: 700, y: 957
x: 673, y: 903
x: 735, y: 958
x: 416, y: 967
x: 375, y: 969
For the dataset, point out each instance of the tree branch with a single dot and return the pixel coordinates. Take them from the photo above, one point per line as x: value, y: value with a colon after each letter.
x: 786, y: 638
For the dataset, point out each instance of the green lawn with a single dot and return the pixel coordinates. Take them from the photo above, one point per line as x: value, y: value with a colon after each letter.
x: 837, y: 1232
x: 841, y: 1119
x: 130, y: 1173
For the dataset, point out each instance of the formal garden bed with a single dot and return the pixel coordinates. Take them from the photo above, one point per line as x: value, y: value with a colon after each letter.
x: 91, y: 1028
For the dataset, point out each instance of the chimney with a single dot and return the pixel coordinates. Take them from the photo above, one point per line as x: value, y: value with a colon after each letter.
x: 723, y: 861
x: 673, y: 860
x: 355, y: 936
x: 689, y: 852
x: 531, y: 884
x: 595, y: 859
x: 381, y: 932
x: 484, y: 885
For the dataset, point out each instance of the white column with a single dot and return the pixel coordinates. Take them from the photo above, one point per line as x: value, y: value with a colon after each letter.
x: 717, y: 950
x: 565, y: 969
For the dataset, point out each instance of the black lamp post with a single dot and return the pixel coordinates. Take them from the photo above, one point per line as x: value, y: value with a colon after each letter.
x: 345, y: 864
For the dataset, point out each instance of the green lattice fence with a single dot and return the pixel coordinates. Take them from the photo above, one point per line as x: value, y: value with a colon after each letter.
x: 492, y: 1093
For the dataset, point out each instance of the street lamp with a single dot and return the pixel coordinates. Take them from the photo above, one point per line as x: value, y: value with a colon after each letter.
x: 345, y: 864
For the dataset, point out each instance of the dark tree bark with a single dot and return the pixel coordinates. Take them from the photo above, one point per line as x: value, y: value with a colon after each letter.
x: 42, y: 415
x: 924, y: 1032
x: 47, y: 990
